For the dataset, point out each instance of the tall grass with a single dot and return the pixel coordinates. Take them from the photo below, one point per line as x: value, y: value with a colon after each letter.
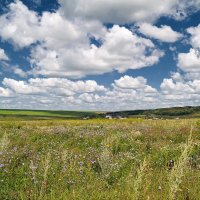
x: 141, y: 172
x: 178, y: 171
x: 46, y: 165
x: 4, y: 142
x: 135, y: 182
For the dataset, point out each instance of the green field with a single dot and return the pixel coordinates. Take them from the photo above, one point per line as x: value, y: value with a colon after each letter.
x: 44, y: 114
x: 100, y: 159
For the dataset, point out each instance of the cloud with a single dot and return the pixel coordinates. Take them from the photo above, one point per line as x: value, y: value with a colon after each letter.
x: 120, y: 50
x: 129, y: 93
x: 21, y: 87
x: 71, y: 53
x: 134, y: 84
x: 190, y: 62
x: 3, y: 56
x: 125, y: 93
x: 195, y: 36
x: 53, y: 86
x: 180, y: 92
x: 19, y: 72
x: 89, y: 98
x: 23, y: 27
x: 169, y: 85
x: 62, y: 93
x: 128, y: 11
x: 5, y: 92
x: 163, y: 33
x: 19, y: 25
x: 175, y: 91
x: 129, y: 82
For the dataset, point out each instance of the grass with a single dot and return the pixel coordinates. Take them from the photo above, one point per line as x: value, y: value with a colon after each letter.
x: 99, y: 159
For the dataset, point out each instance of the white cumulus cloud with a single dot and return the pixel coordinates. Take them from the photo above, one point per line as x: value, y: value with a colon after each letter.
x: 195, y: 36
x: 129, y: 82
x: 180, y: 92
x: 163, y: 33
x: 53, y: 86
x: 128, y: 11
x: 120, y: 50
x: 190, y: 62
x: 62, y: 46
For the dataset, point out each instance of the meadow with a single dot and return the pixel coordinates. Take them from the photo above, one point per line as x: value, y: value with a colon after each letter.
x: 100, y: 159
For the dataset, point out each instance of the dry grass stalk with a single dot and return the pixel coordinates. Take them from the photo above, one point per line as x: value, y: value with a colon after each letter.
x: 4, y: 142
x: 139, y: 179
x: 46, y: 168
x: 178, y: 170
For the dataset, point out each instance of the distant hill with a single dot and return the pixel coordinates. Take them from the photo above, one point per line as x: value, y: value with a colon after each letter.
x: 180, y: 112
x: 188, y: 111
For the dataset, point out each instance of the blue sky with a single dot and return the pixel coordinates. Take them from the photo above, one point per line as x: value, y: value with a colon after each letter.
x: 100, y: 54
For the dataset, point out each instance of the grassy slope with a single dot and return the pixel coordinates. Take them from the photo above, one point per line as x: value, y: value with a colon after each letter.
x: 45, y: 113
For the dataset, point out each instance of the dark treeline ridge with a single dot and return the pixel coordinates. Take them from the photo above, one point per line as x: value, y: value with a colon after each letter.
x: 192, y: 111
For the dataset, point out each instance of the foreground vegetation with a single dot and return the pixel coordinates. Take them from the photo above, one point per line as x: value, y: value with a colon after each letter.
x: 100, y: 159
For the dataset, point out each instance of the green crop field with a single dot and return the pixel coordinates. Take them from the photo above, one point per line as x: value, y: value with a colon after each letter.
x: 29, y: 114
x: 99, y: 159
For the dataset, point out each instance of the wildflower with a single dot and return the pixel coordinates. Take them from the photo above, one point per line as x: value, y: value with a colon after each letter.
x: 2, y: 165
x: 93, y: 161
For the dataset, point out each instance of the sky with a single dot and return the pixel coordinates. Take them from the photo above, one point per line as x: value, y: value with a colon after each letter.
x: 103, y: 55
